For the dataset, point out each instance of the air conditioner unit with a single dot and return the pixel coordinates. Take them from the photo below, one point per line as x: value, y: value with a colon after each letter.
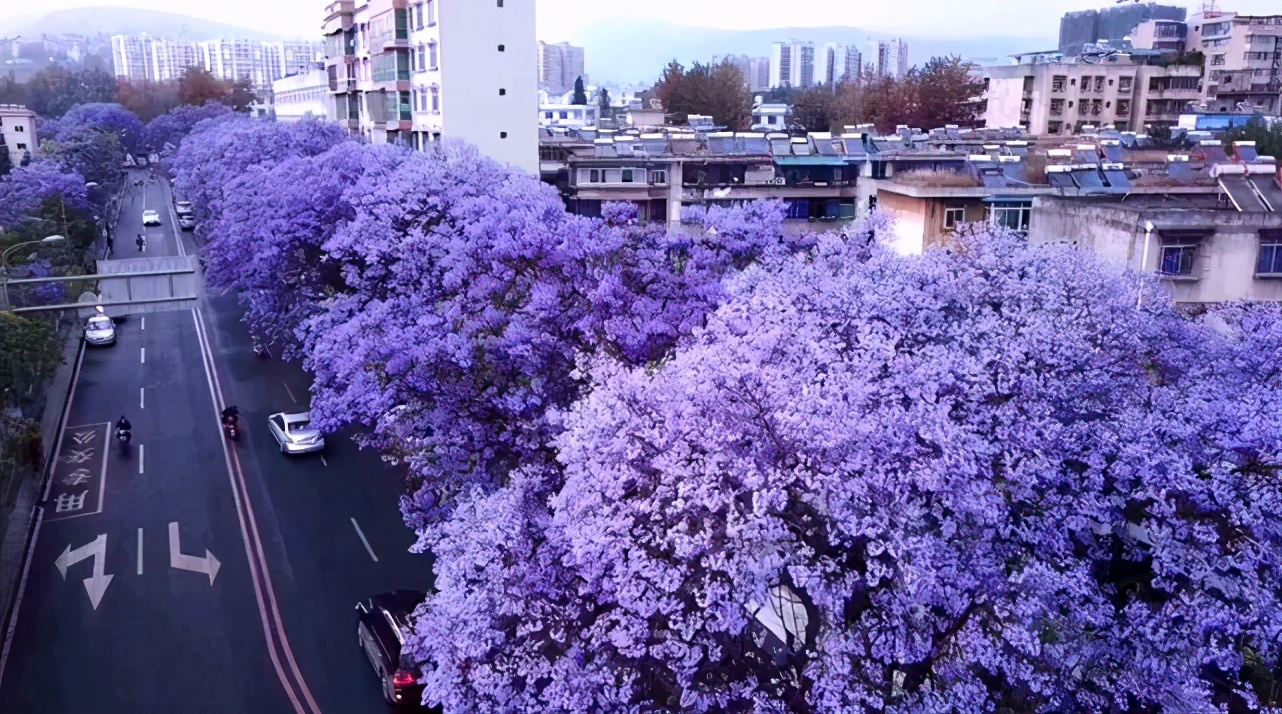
x: 781, y: 181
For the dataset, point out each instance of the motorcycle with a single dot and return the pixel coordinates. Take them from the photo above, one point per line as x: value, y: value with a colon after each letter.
x: 231, y: 429
x: 123, y: 436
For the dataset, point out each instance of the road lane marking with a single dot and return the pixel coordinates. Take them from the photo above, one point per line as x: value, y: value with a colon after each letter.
x: 323, y: 461
x: 208, y: 565
x: 291, y: 394
x: 142, y: 356
x: 264, y: 592
x: 95, y: 585
x: 363, y: 540
x: 140, y: 551
x: 142, y: 397
x: 140, y: 455
x: 144, y: 323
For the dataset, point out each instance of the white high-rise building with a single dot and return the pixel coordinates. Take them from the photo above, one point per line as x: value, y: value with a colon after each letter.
x: 838, y: 63
x: 792, y: 64
x: 888, y: 58
x: 169, y: 59
x: 559, y: 66
x: 131, y: 56
x: 437, y: 69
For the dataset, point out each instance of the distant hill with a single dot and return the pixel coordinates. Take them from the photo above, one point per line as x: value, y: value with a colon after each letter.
x: 636, y: 50
x: 130, y: 21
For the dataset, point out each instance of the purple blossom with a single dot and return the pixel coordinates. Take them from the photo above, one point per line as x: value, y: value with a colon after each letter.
x: 26, y: 188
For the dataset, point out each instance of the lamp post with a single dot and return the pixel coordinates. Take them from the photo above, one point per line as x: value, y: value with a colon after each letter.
x: 4, y: 265
x: 1148, y: 234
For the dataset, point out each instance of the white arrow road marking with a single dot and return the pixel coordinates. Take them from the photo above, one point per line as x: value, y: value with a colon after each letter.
x: 208, y: 565
x: 98, y: 582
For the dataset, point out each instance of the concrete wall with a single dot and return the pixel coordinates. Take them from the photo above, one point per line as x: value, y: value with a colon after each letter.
x: 1224, y: 267
x: 474, y: 70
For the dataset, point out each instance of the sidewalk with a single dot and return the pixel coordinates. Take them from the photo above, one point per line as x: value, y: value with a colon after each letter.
x: 17, y: 532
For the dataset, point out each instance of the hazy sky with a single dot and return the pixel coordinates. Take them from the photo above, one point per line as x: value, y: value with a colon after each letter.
x: 563, y: 19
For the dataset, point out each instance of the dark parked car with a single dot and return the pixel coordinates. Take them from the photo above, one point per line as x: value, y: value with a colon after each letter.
x: 187, y: 222
x: 383, y: 623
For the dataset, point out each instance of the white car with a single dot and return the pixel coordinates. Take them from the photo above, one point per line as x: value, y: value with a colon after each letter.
x: 295, y: 433
x: 150, y: 218
x: 100, y: 331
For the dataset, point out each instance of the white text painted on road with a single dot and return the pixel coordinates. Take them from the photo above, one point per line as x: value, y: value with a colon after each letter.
x: 363, y: 540
x: 98, y: 582
x: 208, y: 565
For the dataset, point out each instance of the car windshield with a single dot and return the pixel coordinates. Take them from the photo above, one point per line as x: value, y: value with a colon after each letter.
x: 299, y: 425
x: 99, y: 323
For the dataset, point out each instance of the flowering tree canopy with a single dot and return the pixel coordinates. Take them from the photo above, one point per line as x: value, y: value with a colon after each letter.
x: 174, y: 126
x: 26, y: 188
x: 718, y: 467
x: 105, y: 118
x: 986, y: 478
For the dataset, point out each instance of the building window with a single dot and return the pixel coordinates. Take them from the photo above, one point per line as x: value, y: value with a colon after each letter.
x: 502, y: 92
x: 502, y: 134
x: 22, y: 147
x: 431, y: 56
x: 502, y: 48
x: 418, y: 16
x: 1179, y: 250
x: 659, y: 177
x: 20, y: 128
x: 1014, y: 215
x: 547, y: 115
x: 954, y: 217
x: 627, y: 176
x: 1270, y: 253
x: 422, y: 58
x: 431, y: 13
x: 436, y: 98
x: 565, y: 115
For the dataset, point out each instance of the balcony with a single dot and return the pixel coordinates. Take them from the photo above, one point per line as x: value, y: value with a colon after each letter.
x: 390, y: 30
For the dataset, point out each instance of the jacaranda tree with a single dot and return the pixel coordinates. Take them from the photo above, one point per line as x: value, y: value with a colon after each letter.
x: 171, y: 128
x: 987, y: 480
x: 718, y: 468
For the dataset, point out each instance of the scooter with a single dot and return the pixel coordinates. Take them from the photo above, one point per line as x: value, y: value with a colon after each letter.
x: 231, y: 429
x: 123, y: 436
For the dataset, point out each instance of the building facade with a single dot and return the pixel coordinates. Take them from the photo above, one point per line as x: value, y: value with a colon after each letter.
x: 301, y: 95
x: 414, y: 73
x: 1243, y: 60
x: 1112, y: 25
x: 838, y: 63
x: 131, y: 56
x: 1062, y: 97
x: 792, y: 64
x: 18, y: 128
x: 559, y: 65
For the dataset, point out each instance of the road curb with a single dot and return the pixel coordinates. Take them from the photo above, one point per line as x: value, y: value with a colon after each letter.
x: 14, y: 562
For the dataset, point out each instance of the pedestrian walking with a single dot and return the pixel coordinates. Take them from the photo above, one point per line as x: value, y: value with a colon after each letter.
x: 142, y: 243
x: 111, y: 244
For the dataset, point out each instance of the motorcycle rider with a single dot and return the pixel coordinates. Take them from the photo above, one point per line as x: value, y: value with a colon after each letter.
x: 123, y: 427
x: 230, y: 415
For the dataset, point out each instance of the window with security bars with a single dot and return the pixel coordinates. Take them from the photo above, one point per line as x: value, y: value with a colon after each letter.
x: 1270, y: 254
x: 1179, y: 252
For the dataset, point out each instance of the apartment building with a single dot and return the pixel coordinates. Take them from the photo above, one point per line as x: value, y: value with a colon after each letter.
x: 131, y: 56
x: 792, y: 64
x: 1243, y: 59
x: 559, y: 65
x: 1112, y: 25
x: 755, y: 70
x: 1061, y: 97
x: 838, y: 63
x: 169, y: 59
x: 887, y: 58
x: 414, y: 73
x: 301, y: 95
x: 18, y: 129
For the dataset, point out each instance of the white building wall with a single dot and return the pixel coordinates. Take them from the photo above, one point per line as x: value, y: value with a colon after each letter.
x: 18, y: 124
x: 302, y: 94
x: 489, y: 89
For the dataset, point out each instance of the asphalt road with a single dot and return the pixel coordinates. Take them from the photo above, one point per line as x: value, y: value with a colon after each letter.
x: 154, y: 195
x: 276, y: 629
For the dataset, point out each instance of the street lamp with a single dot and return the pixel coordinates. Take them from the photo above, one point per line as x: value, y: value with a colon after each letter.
x: 4, y: 265
x: 1148, y: 234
